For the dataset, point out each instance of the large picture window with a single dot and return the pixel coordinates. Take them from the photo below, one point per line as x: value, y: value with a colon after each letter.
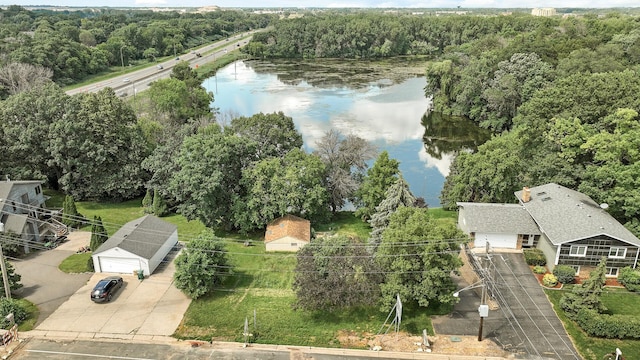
x: 578, y: 250
x: 618, y: 252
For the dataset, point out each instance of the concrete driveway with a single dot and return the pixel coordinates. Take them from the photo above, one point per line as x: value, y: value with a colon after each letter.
x: 43, y: 283
x: 525, y: 323
x: 139, y: 310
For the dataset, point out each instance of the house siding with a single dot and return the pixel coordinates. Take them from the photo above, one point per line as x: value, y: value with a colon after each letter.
x: 285, y: 244
x: 162, y: 253
x: 549, y: 251
x: 597, y: 247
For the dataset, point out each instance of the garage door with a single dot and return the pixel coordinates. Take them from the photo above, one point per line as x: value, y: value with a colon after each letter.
x: 119, y: 265
x: 504, y: 241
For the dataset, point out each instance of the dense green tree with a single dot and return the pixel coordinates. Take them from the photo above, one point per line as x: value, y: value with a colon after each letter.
x: 276, y: 133
x: 98, y: 233
x: 201, y: 266
x: 417, y: 256
x: 210, y: 167
x: 175, y: 102
x: 278, y: 186
x: 345, y: 160
x: 147, y: 201
x: 12, y: 306
x: 491, y: 174
x: 26, y: 120
x: 614, y: 175
x: 396, y: 196
x: 380, y: 177
x: 99, y: 148
x: 70, y: 215
x: 335, y: 273
x: 159, y: 205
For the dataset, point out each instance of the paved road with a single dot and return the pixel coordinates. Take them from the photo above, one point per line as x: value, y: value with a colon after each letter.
x: 131, y: 83
x: 525, y: 324
x: 43, y: 283
x: 78, y: 350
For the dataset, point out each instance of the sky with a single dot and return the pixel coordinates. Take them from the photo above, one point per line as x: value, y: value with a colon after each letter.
x: 336, y: 4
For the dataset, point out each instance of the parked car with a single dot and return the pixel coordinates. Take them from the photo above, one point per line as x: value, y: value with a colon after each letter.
x: 126, y: 80
x: 105, y: 288
x: 160, y: 67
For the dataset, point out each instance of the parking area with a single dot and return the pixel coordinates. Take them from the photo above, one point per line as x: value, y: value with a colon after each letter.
x: 149, y: 307
x: 525, y: 323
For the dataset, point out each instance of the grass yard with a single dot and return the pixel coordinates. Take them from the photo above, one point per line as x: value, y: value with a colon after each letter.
x: 262, y: 283
x: 618, y: 301
x: 76, y: 263
x: 33, y: 312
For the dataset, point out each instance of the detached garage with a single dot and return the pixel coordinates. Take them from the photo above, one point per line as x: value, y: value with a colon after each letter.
x: 140, y: 244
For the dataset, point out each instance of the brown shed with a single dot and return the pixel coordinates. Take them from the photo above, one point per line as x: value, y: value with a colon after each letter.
x: 287, y: 233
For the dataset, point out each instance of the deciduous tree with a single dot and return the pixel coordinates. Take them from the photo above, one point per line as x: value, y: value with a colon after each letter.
x: 335, y: 273
x: 380, y: 177
x: 201, y: 266
x: 417, y: 256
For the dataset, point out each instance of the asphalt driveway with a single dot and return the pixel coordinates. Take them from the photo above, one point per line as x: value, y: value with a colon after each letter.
x: 525, y: 323
x: 43, y: 283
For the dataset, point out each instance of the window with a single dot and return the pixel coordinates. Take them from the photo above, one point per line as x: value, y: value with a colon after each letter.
x: 578, y: 250
x: 576, y: 268
x: 294, y: 244
x: 618, y: 252
x: 612, y: 272
x: 38, y: 190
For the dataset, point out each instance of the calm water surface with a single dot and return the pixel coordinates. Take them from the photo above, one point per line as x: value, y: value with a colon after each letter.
x: 388, y: 113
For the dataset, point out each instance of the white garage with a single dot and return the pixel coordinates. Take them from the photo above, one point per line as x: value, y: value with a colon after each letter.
x: 140, y: 244
x: 503, y: 226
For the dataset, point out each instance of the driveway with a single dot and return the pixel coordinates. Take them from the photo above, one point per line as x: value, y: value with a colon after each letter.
x: 140, y: 309
x: 43, y: 283
x: 525, y: 323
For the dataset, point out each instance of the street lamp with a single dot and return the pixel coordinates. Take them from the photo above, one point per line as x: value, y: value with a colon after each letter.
x: 122, y: 57
x: 483, y: 309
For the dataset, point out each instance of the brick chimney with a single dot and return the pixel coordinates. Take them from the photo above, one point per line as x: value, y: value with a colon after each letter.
x: 526, y: 194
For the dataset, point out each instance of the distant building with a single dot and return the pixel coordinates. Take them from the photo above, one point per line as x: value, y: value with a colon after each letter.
x: 543, y: 12
x: 287, y: 233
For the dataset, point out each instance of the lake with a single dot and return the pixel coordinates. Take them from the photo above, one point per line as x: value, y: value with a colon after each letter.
x: 383, y: 103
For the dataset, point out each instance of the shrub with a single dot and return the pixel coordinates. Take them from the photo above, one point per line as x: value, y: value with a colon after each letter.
x: 608, y: 326
x: 549, y: 280
x: 8, y: 306
x: 565, y: 274
x: 630, y: 278
x: 539, y: 269
x: 534, y: 257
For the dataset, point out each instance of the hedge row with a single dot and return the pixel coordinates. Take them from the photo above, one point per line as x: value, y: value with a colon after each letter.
x: 609, y: 326
x: 534, y: 257
x: 630, y: 278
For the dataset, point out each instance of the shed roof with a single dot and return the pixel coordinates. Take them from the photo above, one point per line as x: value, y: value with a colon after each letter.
x: 143, y: 236
x: 498, y: 218
x: 288, y: 225
x: 566, y: 215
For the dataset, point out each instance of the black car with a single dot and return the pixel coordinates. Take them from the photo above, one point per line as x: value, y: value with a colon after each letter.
x: 105, y: 288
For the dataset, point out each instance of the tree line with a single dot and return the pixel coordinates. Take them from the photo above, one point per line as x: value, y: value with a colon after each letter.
x: 77, y: 44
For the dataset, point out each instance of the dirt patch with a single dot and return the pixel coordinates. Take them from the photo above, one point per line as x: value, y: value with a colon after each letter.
x: 403, y: 342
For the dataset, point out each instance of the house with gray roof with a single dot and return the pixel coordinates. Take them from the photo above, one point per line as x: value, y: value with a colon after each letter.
x: 24, y: 214
x: 140, y: 244
x: 572, y: 229
x: 577, y: 231
x: 501, y: 225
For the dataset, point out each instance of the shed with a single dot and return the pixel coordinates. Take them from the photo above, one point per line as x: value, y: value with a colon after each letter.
x: 287, y: 233
x: 140, y: 244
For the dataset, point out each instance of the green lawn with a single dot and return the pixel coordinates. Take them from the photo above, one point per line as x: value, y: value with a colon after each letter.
x: 262, y: 282
x: 33, y: 312
x: 76, y: 263
x: 618, y: 301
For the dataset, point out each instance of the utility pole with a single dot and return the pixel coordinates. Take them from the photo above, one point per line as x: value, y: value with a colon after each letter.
x: 483, y: 309
x: 5, y: 277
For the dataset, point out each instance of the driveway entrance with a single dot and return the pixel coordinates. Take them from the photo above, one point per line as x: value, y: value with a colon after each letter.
x: 525, y: 323
x: 43, y: 283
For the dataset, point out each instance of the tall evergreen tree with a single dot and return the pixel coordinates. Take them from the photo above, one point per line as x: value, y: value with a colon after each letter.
x: 98, y: 233
x: 147, y: 202
x: 396, y: 196
x: 70, y: 215
x: 159, y: 205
